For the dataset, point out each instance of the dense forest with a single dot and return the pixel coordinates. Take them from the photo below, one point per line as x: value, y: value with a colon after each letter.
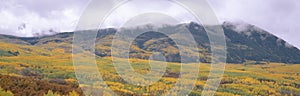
x: 259, y: 63
x: 43, y: 76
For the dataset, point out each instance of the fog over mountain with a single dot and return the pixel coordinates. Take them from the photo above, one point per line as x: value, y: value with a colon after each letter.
x: 245, y: 42
x: 279, y: 17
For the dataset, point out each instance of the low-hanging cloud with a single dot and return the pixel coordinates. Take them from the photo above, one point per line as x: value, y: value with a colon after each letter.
x: 280, y: 17
x: 37, y: 17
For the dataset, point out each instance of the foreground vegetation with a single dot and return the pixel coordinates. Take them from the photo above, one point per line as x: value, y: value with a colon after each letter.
x: 44, y: 75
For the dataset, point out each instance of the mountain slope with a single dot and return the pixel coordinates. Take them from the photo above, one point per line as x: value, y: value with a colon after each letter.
x: 252, y: 43
x: 244, y: 42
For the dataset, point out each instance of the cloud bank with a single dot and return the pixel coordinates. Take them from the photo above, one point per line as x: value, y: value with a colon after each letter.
x: 28, y: 17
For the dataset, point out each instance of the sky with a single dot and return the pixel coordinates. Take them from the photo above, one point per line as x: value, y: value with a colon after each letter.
x: 26, y: 18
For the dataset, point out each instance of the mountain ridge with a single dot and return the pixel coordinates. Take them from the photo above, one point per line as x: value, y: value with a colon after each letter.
x: 246, y: 42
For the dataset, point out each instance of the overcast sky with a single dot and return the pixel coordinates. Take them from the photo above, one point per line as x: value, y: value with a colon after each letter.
x: 27, y: 17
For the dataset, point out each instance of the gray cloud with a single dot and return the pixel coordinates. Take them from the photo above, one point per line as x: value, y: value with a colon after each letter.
x: 280, y: 17
x: 38, y: 16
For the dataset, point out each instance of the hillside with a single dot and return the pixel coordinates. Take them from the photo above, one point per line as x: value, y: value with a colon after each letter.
x: 43, y: 65
x: 39, y: 75
x: 245, y: 42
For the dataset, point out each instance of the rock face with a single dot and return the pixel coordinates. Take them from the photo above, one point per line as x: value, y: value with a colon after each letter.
x: 244, y: 42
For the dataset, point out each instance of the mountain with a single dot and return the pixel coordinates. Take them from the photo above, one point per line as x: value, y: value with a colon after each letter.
x: 248, y: 42
x: 245, y: 42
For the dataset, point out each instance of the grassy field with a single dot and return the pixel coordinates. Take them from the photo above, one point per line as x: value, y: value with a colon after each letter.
x: 46, y: 75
